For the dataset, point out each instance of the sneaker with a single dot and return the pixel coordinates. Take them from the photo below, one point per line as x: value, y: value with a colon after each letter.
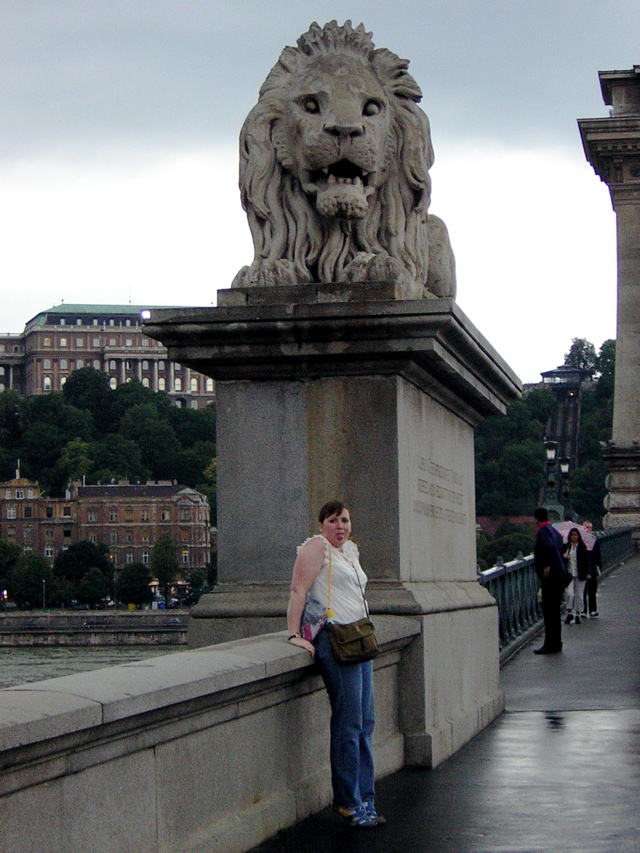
x: 578, y: 620
x: 358, y: 817
x: 569, y: 619
x: 594, y: 614
x: 370, y: 809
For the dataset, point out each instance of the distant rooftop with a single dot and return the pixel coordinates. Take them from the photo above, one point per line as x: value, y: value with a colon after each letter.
x: 68, y: 309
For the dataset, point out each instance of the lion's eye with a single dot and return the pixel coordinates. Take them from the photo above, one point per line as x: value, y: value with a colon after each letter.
x: 371, y: 108
x: 311, y: 105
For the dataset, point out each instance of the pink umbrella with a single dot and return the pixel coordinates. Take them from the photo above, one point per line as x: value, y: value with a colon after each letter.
x: 564, y: 527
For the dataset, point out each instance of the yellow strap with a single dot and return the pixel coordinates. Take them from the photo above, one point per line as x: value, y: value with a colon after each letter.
x: 330, y: 613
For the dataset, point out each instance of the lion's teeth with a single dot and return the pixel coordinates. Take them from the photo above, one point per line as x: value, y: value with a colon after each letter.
x: 325, y: 171
x: 357, y: 181
x: 332, y: 179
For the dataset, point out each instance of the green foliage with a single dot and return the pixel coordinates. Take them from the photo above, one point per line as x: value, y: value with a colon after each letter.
x: 164, y: 563
x: 132, y: 586
x: 92, y: 589
x: 198, y: 585
x: 507, y: 547
x: 582, y: 354
x: 9, y: 557
x: 89, y: 430
x: 25, y: 581
x: 79, y: 558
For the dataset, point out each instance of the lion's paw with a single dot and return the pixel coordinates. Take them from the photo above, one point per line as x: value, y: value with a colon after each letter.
x: 269, y: 274
x: 369, y: 267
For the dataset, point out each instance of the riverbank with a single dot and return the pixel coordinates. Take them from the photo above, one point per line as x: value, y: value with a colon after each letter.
x: 59, y: 628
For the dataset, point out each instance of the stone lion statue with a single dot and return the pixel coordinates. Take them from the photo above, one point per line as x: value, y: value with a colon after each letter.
x: 334, y: 171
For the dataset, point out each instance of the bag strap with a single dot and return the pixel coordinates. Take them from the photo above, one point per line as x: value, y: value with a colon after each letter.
x: 330, y: 612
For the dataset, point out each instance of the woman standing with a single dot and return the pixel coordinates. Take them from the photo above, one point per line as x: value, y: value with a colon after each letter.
x: 327, y: 575
x: 577, y: 560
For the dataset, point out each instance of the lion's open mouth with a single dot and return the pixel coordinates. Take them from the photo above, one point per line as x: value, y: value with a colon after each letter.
x: 342, y: 172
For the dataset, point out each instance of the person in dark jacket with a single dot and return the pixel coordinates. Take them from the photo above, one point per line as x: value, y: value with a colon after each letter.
x: 591, y: 588
x: 576, y: 558
x: 552, y: 574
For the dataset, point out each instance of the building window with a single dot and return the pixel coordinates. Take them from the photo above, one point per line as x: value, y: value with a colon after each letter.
x: 92, y: 516
x: 19, y: 494
x: 177, y: 384
x: 63, y: 364
x: 145, y: 382
x: 46, y: 342
x: 48, y: 511
x: 96, y: 365
x: 63, y: 379
x: 113, y: 383
x: 95, y: 342
x: 112, y: 342
x: 48, y: 534
x: 184, y: 514
x: 78, y: 321
x: 46, y: 383
x: 144, y: 536
x: 66, y: 511
x: 113, y: 513
x: 128, y: 342
x: 161, y: 384
x: 93, y: 538
x: 161, y: 365
x: 129, y: 559
x: 46, y: 364
x: 11, y: 512
x: 185, y: 555
x: 194, y: 386
x: 7, y: 494
x: 129, y: 536
x: 48, y: 551
x: 30, y: 493
x: 62, y: 342
x: 113, y: 537
x: 63, y: 322
x: 145, y: 342
x: 112, y: 365
x: 80, y: 343
x: 128, y: 513
x: 165, y: 515
x: 79, y: 364
x: 144, y: 514
x: 145, y: 557
x: 28, y: 512
x: 128, y: 365
x: 145, y: 365
x: 208, y: 384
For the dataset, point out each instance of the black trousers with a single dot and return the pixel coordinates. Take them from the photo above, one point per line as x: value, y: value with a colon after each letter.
x: 552, y: 594
x: 590, y: 593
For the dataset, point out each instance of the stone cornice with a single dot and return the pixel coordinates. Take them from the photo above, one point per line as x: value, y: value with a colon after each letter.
x: 430, y: 342
x: 612, y: 147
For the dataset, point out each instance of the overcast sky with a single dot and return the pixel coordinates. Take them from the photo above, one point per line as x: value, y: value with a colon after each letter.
x: 118, y: 151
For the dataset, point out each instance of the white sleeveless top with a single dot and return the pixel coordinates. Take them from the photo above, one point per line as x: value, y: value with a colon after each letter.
x: 348, y: 582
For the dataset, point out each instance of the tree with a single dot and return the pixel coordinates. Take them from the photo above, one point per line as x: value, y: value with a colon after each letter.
x: 74, y: 563
x: 10, y: 554
x: 582, y: 355
x: 92, y: 589
x: 29, y: 579
x: 164, y: 563
x: 132, y: 586
x: 88, y: 388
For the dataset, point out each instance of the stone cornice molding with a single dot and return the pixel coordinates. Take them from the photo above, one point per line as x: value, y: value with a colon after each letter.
x: 612, y: 147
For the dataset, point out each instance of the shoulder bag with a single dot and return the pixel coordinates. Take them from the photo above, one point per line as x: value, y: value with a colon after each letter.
x: 354, y: 642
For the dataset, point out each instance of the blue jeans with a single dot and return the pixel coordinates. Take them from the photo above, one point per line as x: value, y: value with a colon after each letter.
x: 350, y: 689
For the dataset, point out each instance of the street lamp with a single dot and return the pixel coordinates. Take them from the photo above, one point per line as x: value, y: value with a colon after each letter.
x: 552, y: 486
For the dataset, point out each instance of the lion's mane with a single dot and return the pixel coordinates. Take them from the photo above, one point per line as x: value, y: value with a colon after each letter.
x: 293, y: 242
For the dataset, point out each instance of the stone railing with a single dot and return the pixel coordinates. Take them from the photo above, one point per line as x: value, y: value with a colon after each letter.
x: 515, y: 586
x: 214, y: 749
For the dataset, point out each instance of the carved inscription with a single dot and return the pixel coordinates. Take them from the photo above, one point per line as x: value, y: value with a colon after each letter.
x: 441, y: 487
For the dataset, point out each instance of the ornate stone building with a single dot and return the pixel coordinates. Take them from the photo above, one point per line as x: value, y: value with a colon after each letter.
x: 109, y: 338
x: 127, y: 518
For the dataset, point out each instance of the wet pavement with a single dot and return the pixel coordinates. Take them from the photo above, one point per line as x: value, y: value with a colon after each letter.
x: 558, y: 772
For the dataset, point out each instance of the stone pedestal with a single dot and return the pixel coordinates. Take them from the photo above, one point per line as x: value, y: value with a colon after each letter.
x: 347, y: 392
x: 612, y: 146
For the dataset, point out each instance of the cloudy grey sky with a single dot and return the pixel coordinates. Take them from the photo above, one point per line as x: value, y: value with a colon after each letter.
x: 118, y: 167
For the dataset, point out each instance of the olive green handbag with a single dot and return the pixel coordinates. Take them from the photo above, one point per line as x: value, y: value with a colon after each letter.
x: 354, y: 642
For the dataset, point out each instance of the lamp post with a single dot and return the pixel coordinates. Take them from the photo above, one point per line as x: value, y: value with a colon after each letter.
x: 552, y: 485
x: 563, y: 488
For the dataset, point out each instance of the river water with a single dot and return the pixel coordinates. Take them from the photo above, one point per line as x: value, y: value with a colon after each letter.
x: 24, y: 665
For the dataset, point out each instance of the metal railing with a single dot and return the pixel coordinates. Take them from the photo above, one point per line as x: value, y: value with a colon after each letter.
x: 515, y: 586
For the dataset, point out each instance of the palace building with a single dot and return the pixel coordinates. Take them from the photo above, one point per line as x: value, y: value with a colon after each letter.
x: 109, y: 338
x: 127, y: 518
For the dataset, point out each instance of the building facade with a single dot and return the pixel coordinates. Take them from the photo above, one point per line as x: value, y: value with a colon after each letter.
x: 127, y: 518
x: 108, y: 338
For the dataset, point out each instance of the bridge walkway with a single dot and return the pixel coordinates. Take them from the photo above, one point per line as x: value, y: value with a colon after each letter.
x: 558, y: 772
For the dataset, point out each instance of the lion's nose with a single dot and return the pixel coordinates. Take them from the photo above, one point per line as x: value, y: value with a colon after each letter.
x: 344, y: 129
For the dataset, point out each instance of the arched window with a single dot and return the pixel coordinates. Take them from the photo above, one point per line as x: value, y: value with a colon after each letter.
x: 194, y: 385
x: 46, y: 383
x: 161, y: 384
x: 112, y: 365
x: 79, y: 364
x: 177, y: 384
x: 63, y: 379
x: 145, y: 365
x: 145, y: 382
x: 63, y: 364
x: 96, y: 364
x: 113, y: 383
x: 209, y: 384
x: 161, y: 365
